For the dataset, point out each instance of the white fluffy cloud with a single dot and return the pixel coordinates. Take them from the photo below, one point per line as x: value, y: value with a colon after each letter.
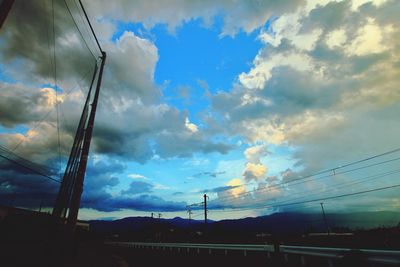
x: 237, y: 16
x: 326, y: 84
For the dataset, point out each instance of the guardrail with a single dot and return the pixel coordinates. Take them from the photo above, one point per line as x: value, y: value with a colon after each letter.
x: 300, y: 254
x: 197, y: 247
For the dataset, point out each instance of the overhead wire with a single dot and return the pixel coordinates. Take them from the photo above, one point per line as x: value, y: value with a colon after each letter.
x: 30, y: 168
x: 10, y: 154
x: 211, y: 203
x: 304, y: 178
x: 56, y: 87
x: 280, y: 185
x: 306, y: 194
x: 37, y: 124
x: 79, y: 30
x: 80, y: 11
x: 90, y: 25
x: 311, y: 200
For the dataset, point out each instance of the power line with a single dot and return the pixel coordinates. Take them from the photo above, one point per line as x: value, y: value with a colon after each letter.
x: 360, y: 180
x: 30, y: 168
x: 303, y: 179
x: 85, y: 24
x: 90, y: 25
x: 44, y: 168
x: 342, y: 186
x: 79, y: 30
x: 55, y: 85
x: 36, y: 125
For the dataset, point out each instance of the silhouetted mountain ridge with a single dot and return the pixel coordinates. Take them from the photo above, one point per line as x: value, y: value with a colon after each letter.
x: 277, y: 222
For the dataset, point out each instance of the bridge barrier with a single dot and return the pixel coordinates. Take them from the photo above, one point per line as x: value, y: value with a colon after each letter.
x: 302, y: 255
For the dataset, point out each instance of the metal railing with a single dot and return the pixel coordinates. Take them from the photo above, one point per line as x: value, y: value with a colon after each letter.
x: 332, y: 255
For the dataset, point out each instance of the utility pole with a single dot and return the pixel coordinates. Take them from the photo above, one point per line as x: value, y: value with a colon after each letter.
x: 189, y: 211
x: 323, y: 214
x: 205, y: 209
x: 41, y: 203
x: 5, y: 7
x: 78, y: 187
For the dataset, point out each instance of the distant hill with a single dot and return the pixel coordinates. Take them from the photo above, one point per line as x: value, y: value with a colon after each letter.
x: 137, y: 224
x: 311, y: 222
x: 274, y: 223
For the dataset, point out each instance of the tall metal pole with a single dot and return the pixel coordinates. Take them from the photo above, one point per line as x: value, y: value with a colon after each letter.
x: 323, y: 214
x: 78, y: 187
x: 64, y: 195
x: 205, y: 209
x: 5, y: 7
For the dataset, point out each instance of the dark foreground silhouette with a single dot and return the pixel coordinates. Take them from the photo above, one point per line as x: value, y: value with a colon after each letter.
x: 36, y: 239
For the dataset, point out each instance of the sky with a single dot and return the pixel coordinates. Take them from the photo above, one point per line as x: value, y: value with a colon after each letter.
x: 258, y: 104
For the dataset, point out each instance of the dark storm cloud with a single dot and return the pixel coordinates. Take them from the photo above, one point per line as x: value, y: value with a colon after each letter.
x: 144, y: 202
x: 102, y: 176
x: 23, y: 188
x: 138, y: 187
x: 17, y: 104
x: 147, y: 203
x: 28, y: 36
x: 131, y: 123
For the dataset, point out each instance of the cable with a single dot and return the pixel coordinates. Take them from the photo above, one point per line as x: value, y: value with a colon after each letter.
x: 56, y: 87
x: 311, y: 175
x: 44, y: 168
x: 279, y: 185
x: 90, y: 25
x: 358, y: 181
x: 85, y: 24
x: 31, y: 169
x: 80, y: 32
x: 312, y: 200
x: 36, y: 125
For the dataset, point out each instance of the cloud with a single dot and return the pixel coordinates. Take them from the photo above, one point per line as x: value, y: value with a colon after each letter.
x: 237, y: 187
x: 301, y: 90
x: 246, y: 16
x: 132, y: 121
x: 137, y: 176
x: 143, y: 202
x: 254, y: 171
x: 211, y: 174
x: 254, y: 168
x: 101, y: 191
x: 327, y: 98
x: 26, y: 184
x: 255, y: 153
x: 29, y: 44
x: 222, y: 188
x: 326, y: 83
x: 138, y: 187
